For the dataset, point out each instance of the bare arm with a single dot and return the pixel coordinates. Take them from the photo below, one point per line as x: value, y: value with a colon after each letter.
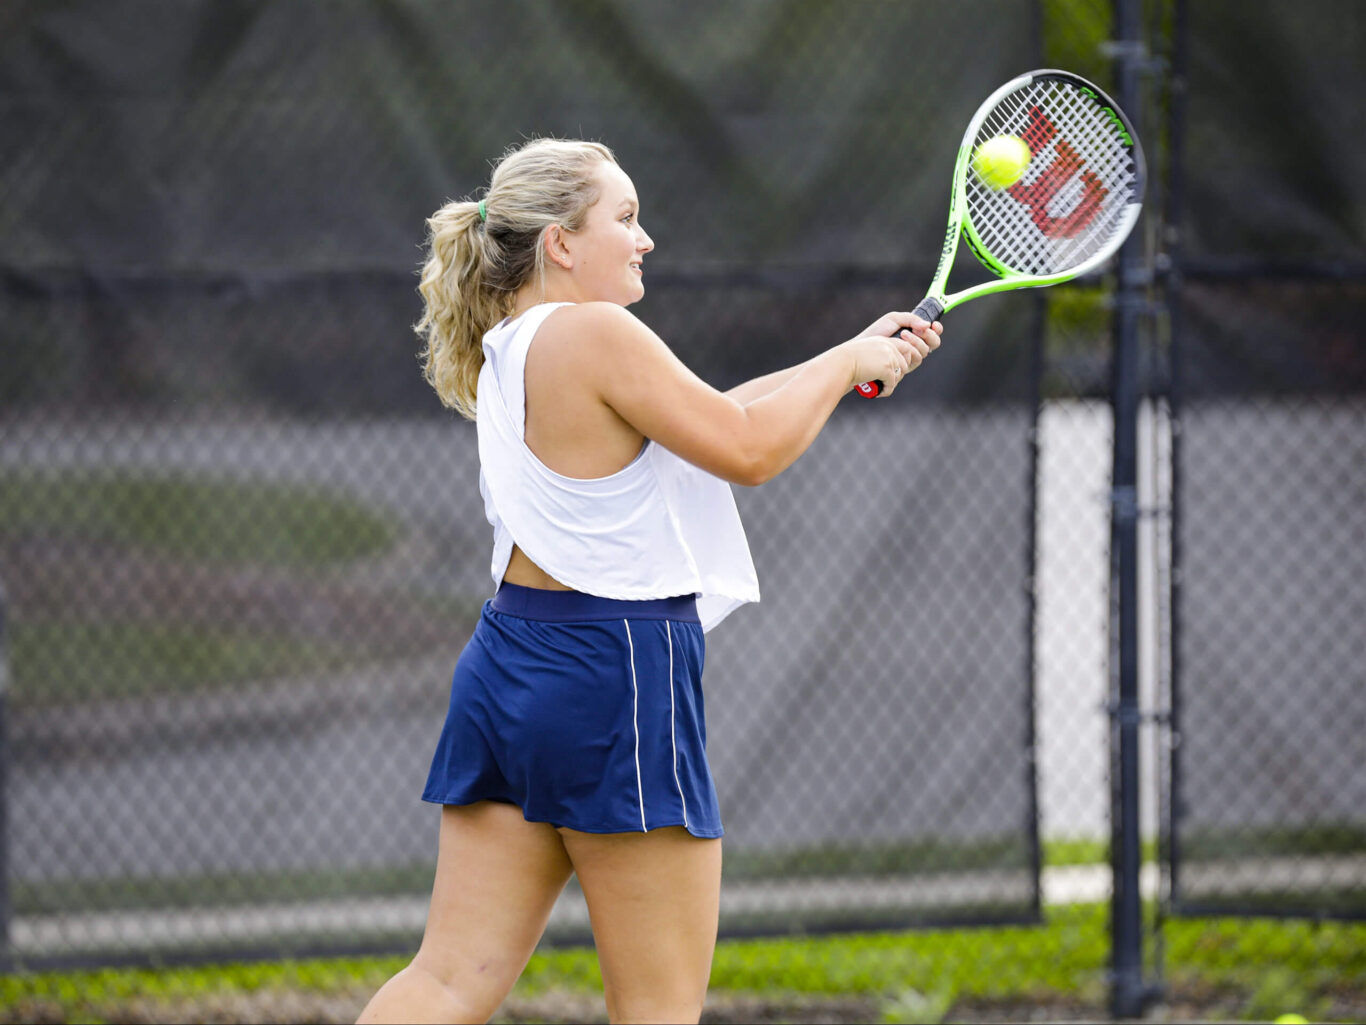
x: 749, y: 442
x: 760, y: 386
x: 791, y: 415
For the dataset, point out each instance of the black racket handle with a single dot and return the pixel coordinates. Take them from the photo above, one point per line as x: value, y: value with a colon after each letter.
x: 930, y: 309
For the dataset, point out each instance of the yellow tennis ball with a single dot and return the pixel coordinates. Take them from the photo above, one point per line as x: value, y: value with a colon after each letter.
x: 1292, y: 1019
x: 1000, y: 162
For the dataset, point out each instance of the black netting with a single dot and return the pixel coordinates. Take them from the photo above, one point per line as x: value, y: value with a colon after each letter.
x: 1268, y: 682
x: 243, y: 547
x: 1270, y: 793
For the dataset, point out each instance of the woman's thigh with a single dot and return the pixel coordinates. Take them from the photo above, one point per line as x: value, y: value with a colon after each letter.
x: 653, y: 899
x: 497, y: 879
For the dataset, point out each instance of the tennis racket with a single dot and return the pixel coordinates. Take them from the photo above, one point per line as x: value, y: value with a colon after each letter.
x: 1079, y: 195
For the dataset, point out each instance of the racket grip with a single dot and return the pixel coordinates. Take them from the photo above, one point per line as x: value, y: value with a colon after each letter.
x: 930, y: 309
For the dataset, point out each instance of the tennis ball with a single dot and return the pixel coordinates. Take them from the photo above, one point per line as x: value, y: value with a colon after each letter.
x: 1292, y: 1019
x: 1001, y: 162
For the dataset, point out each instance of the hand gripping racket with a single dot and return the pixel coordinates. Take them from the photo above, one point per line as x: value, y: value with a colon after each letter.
x: 1078, y: 196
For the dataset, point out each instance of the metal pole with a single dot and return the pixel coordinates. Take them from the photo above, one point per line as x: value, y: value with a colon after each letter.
x: 1127, y: 995
x: 6, y: 952
x: 1036, y: 358
x: 1176, y: 197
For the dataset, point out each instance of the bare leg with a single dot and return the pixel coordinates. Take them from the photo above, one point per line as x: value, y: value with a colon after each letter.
x: 654, y: 900
x: 497, y: 878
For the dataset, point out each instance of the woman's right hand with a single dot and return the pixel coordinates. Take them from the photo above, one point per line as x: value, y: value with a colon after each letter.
x: 878, y: 357
x: 882, y: 359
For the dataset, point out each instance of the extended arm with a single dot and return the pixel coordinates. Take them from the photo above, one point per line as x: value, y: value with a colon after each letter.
x: 747, y: 439
x: 760, y: 386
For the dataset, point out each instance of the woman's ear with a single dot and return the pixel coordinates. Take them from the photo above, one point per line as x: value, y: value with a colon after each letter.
x: 555, y: 249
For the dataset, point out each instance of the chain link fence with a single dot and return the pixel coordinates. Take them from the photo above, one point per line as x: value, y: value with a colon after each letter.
x: 241, y: 547
x: 1270, y: 791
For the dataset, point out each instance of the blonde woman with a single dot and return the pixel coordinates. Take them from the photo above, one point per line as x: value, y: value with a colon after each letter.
x: 575, y: 738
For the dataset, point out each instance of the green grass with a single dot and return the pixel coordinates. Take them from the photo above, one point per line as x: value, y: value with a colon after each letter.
x: 156, y: 537
x: 58, y: 662
x: 1321, y: 838
x: 205, y: 520
x: 1255, y: 968
x: 925, y: 857
x: 878, y: 858
x: 1066, y: 955
x: 1086, y: 851
x: 218, y: 890
x: 1328, y: 838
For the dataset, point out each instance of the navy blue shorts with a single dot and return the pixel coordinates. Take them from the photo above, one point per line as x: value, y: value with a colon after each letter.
x: 585, y: 712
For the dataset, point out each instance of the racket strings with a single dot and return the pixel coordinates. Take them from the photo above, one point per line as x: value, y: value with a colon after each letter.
x: 1071, y: 199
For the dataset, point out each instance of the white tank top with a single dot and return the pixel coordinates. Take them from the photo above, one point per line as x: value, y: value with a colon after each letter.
x: 657, y: 528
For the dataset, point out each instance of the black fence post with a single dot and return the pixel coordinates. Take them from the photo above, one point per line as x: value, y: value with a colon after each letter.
x: 6, y: 951
x: 1127, y: 994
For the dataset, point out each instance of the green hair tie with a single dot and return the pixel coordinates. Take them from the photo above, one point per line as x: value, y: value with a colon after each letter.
x: 483, y: 211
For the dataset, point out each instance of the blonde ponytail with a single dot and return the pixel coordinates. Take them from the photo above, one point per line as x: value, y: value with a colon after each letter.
x: 481, y: 254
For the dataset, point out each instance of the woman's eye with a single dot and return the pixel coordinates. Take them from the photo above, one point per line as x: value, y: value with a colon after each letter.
x: 629, y: 218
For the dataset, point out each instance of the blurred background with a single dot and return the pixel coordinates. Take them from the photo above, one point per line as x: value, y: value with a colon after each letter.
x: 241, y: 544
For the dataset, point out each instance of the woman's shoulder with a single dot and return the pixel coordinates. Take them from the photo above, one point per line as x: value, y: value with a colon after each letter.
x: 594, y: 325
x: 596, y: 314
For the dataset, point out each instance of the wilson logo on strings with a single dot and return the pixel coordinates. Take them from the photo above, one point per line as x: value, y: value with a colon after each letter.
x: 1066, y: 165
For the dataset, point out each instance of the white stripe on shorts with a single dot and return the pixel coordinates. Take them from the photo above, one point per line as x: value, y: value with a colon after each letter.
x: 673, y: 739
x: 635, y: 723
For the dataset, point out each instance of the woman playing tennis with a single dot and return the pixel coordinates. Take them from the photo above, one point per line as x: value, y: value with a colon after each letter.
x: 575, y: 740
